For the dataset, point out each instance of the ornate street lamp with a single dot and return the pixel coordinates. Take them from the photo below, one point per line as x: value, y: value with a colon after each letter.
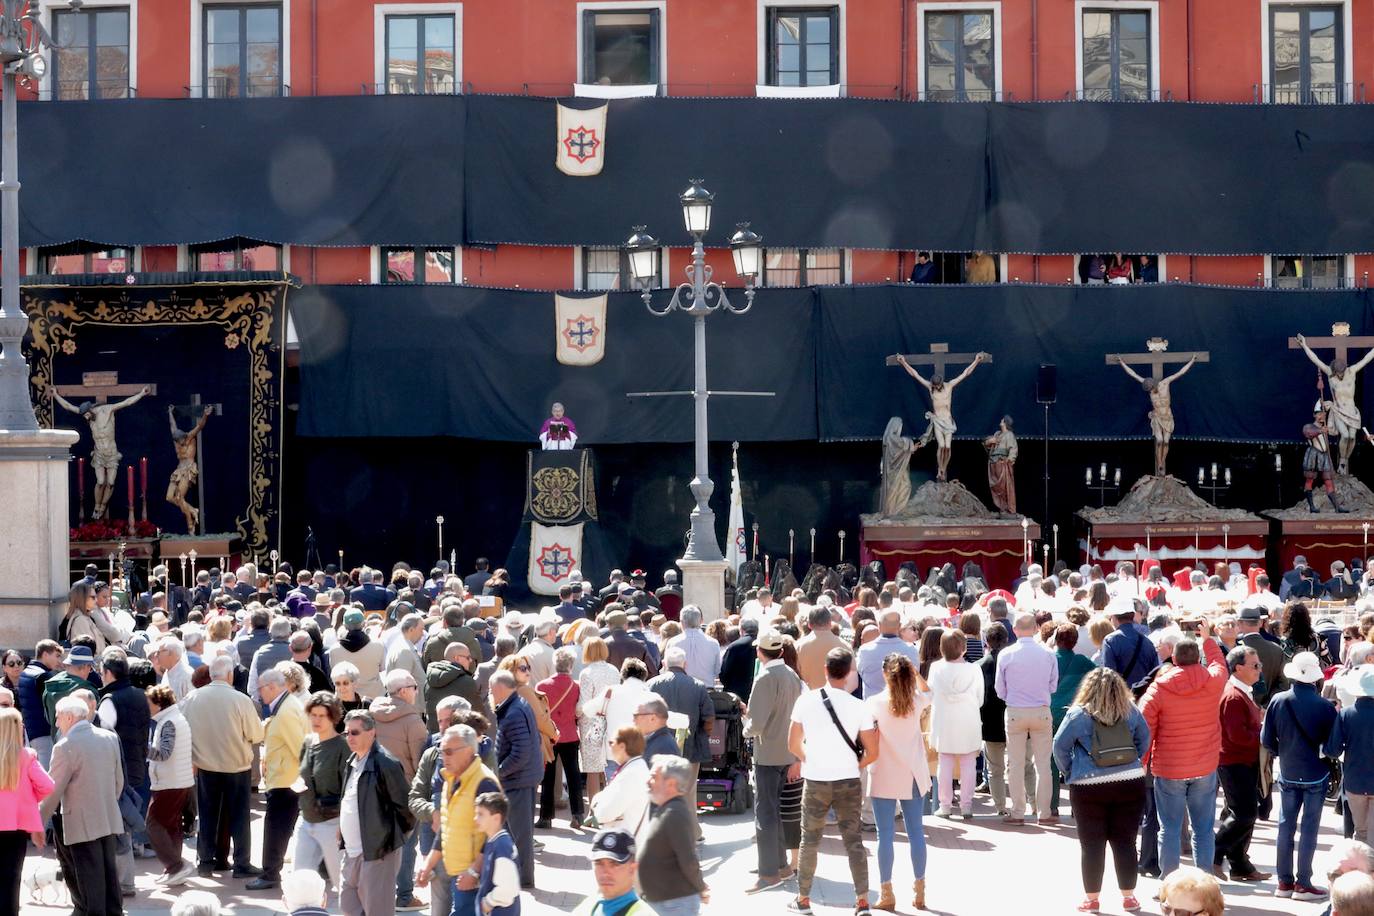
x: 698, y: 297
x: 22, y: 40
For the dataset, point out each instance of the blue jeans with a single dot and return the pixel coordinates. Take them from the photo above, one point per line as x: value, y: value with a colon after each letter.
x: 464, y: 902
x: 678, y: 906
x: 405, y: 878
x: 885, y: 814
x: 1197, y: 798
x: 1300, y: 812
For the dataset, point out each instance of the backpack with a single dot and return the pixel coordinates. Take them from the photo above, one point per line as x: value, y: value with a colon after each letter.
x: 1112, y: 745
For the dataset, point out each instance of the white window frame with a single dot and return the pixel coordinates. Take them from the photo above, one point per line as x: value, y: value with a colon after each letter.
x: 198, y: 41
x: 49, y: 20
x: 1347, y: 266
x: 579, y: 273
x: 184, y: 257
x: 1161, y: 259
x: 628, y: 5
x: 965, y: 6
x: 761, y: 27
x: 31, y: 255
x: 381, y: 11
x: 1149, y: 6
x: 1347, y: 46
x: 374, y: 254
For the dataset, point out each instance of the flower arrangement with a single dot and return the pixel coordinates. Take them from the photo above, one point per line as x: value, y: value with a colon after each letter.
x: 113, y: 530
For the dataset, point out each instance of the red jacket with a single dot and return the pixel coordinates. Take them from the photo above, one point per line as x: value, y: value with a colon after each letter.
x: 1181, y: 708
x: 1240, y: 726
x: 563, y: 695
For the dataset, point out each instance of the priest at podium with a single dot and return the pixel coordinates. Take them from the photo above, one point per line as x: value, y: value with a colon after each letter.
x: 559, y: 433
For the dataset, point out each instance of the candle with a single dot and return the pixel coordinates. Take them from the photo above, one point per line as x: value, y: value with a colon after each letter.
x: 1228, y: 477
x: 1278, y: 461
x: 131, y: 487
x: 1214, y: 470
x: 1088, y: 477
x: 1117, y: 479
x: 81, y: 475
x: 143, y: 476
x: 1200, y: 477
x: 1102, y: 474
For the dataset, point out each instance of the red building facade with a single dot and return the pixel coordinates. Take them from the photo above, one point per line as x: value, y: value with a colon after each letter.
x: 1151, y: 51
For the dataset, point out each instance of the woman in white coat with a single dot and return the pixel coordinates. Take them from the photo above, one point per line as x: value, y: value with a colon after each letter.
x: 624, y: 803
x: 956, y: 729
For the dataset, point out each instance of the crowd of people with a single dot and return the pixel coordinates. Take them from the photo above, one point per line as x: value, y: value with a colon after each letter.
x: 399, y: 739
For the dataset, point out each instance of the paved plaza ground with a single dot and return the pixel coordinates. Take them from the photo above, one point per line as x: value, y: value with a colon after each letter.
x: 975, y: 868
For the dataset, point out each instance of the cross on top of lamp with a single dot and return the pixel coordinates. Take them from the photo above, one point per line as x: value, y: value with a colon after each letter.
x: 702, y: 293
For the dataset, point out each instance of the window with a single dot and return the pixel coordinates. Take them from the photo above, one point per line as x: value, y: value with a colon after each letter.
x: 91, y: 57
x: 609, y: 268
x: 235, y: 254
x: 1307, y: 272
x: 803, y: 46
x: 84, y: 258
x: 419, y: 54
x: 243, y: 51
x: 1098, y: 269
x: 1116, y: 55
x: 1305, y: 54
x: 959, y: 56
x: 398, y: 265
x: 621, y: 47
x: 802, y: 266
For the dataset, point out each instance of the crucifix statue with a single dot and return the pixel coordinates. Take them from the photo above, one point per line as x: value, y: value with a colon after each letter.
x: 100, y: 386
x: 1157, y: 387
x: 1344, y: 418
x: 186, y: 443
x: 941, y: 417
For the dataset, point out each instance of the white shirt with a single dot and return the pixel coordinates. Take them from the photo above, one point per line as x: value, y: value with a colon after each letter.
x: 350, y: 824
x: 1265, y: 599
x: 754, y: 608
x: 828, y: 755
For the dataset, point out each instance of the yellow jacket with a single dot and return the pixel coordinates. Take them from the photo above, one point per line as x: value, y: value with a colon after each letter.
x: 462, y: 841
x: 281, y: 754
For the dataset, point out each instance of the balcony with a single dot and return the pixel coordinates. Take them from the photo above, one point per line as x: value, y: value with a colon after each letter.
x: 83, y: 90
x: 1313, y: 94
x: 231, y: 87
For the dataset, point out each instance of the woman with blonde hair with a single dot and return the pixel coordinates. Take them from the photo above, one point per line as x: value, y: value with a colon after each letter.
x: 519, y: 666
x: 23, y: 784
x: 1098, y: 748
x: 901, y: 774
x: 596, y: 678
x: 1190, y: 890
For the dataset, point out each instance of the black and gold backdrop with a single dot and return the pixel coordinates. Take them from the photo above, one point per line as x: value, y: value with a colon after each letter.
x: 220, y: 339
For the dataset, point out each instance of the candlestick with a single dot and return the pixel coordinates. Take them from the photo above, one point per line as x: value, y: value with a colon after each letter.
x: 131, y: 499
x: 81, y: 489
x: 183, y: 570
x: 1102, y: 472
x: 109, y: 579
x: 439, y: 520
x: 192, y: 555
x: 1278, y: 461
x: 1228, y: 477
x: 1200, y: 477
x: 1214, y: 470
x: 841, y: 545
x: 813, y: 545
x: 791, y: 535
x: 1088, y: 477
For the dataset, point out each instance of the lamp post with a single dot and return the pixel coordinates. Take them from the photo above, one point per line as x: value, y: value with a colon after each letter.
x: 21, y: 54
x: 699, y: 297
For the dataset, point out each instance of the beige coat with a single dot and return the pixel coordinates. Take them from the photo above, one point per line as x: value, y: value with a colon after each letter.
x: 88, y: 778
x: 811, y: 652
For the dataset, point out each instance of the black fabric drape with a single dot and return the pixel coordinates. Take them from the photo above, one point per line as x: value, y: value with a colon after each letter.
x: 847, y: 173
x: 460, y: 361
x: 345, y: 170
x: 1165, y: 178
x: 1254, y: 388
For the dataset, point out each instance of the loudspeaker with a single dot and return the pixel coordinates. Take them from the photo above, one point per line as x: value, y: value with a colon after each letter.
x: 1047, y: 384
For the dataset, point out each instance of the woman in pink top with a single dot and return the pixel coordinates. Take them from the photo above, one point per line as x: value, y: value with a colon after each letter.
x: 901, y: 774
x: 23, y: 784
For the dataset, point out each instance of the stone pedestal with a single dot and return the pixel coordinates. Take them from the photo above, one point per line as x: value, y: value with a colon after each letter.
x: 703, y: 584
x: 34, y: 534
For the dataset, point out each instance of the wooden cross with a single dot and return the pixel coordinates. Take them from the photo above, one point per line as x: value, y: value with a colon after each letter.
x: 1156, y: 359
x: 195, y: 410
x: 100, y: 387
x: 938, y: 357
x: 1341, y: 343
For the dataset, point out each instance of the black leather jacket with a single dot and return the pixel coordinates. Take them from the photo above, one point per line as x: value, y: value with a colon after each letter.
x: 383, y: 804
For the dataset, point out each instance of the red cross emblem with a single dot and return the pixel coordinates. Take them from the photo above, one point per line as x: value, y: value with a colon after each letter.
x: 581, y: 143
x: 555, y: 562
x: 581, y: 333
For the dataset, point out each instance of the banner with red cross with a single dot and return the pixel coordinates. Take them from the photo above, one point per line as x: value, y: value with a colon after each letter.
x: 581, y: 140
x: 555, y: 551
x: 580, y: 328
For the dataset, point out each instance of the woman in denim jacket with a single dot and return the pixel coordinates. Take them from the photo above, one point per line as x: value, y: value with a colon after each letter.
x: 1107, y: 799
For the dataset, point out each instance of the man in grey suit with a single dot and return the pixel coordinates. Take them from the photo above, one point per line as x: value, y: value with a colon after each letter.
x: 774, y: 694
x: 88, y: 778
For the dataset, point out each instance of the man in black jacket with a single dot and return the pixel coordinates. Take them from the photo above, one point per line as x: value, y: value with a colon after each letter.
x: 737, y: 662
x: 374, y: 819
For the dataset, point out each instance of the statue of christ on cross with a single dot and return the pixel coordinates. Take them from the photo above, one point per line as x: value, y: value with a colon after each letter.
x: 1157, y: 387
x: 941, y: 426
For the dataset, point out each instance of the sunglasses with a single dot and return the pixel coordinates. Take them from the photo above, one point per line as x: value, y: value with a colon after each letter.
x: 1167, y: 910
x: 14, y: 664
x: 353, y: 733
x: 523, y: 669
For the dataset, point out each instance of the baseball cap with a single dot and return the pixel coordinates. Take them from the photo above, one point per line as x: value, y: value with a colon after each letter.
x: 617, y: 845
x: 353, y: 619
x: 769, y: 641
